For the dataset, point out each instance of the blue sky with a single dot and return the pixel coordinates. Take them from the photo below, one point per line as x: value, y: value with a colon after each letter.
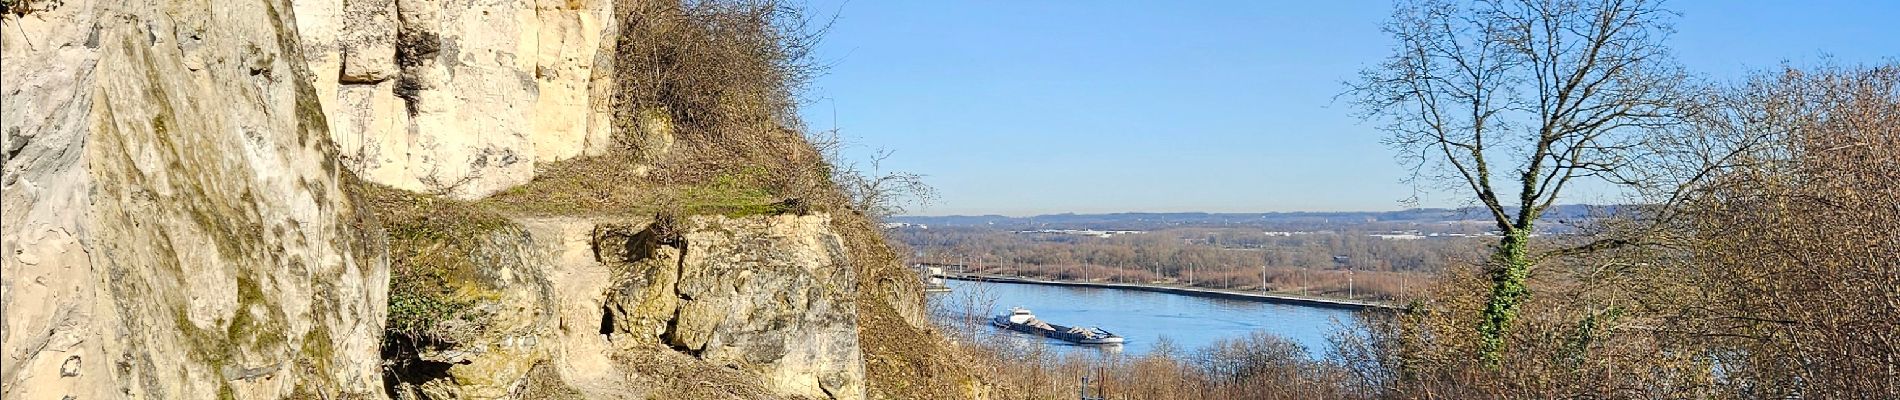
x: 1032, y: 107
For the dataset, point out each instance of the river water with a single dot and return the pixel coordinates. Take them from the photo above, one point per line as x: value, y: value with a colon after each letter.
x: 1142, y: 317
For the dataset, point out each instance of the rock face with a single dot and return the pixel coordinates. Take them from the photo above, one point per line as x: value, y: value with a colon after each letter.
x: 488, y: 352
x: 461, y: 97
x: 173, y: 222
x: 581, y: 285
x: 177, y: 226
x: 768, y: 294
x: 771, y: 293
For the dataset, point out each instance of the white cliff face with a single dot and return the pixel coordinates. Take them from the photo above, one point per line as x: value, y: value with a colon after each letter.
x: 574, y: 64
x: 770, y: 295
x: 767, y: 295
x: 773, y: 295
x: 461, y: 97
x: 581, y: 284
x: 174, y: 225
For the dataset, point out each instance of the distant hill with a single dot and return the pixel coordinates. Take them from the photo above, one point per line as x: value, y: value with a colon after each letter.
x: 1472, y: 217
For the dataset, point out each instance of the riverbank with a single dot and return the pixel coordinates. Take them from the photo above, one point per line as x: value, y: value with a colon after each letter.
x: 1354, y: 305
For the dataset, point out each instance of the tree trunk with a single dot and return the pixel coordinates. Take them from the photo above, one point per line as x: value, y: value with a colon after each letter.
x: 1510, y: 265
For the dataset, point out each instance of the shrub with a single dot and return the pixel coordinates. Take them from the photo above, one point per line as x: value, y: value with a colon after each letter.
x: 24, y: 7
x: 430, y: 240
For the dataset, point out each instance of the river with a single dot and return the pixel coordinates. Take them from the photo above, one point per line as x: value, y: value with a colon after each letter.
x: 1144, y: 317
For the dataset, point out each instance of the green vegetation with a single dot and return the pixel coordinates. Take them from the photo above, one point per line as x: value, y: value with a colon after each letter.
x: 1513, y: 268
x: 705, y: 124
x: 1536, y: 93
x: 430, y: 240
x: 1758, y: 263
x: 705, y: 118
x: 205, y: 346
x: 605, y: 186
x: 246, y: 328
x: 24, y: 7
x: 245, y: 331
x: 729, y: 195
x: 318, y: 348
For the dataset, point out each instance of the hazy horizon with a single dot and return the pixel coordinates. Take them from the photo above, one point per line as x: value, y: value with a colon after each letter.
x: 1015, y: 108
x: 1396, y: 209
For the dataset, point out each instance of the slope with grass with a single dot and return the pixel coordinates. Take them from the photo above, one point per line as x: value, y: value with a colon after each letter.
x: 417, y: 199
x: 701, y: 232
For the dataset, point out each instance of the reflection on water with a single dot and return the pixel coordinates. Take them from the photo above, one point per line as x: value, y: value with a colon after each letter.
x: 1144, y: 318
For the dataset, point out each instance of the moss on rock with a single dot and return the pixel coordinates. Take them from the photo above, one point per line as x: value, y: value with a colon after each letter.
x: 430, y: 240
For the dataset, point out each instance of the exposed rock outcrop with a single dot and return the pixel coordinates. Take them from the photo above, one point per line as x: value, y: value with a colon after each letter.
x: 768, y: 294
x: 181, y: 220
x: 487, y: 350
x: 581, y: 285
x: 773, y: 294
x: 173, y: 224
x: 461, y: 97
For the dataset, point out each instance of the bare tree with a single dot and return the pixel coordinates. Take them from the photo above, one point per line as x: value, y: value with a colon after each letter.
x: 1790, y: 274
x: 869, y: 188
x: 1536, y: 93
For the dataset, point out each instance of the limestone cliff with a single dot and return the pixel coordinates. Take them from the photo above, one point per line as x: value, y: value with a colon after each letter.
x: 770, y: 296
x: 272, y: 199
x: 461, y: 97
x: 174, y: 226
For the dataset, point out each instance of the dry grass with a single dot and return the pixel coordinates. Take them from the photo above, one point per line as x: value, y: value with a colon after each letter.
x: 706, y: 126
x: 612, y: 186
x: 1791, y: 279
x: 903, y: 361
x: 544, y: 383
x: 679, y: 376
x: 724, y: 75
x: 1257, y: 367
x: 24, y: 7
x: 704, y: 119
x: 429, y: 239
x: 708, y: 89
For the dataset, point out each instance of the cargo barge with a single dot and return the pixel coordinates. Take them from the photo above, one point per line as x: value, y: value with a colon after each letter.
x: 1021, y: 320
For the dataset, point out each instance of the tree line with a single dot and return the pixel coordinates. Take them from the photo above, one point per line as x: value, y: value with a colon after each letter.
x: 1756, y: 259
x: 1313, y: 263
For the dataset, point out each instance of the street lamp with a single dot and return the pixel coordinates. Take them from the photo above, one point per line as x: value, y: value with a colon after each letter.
x: 1263, y: 277
x: 1346, y: 262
